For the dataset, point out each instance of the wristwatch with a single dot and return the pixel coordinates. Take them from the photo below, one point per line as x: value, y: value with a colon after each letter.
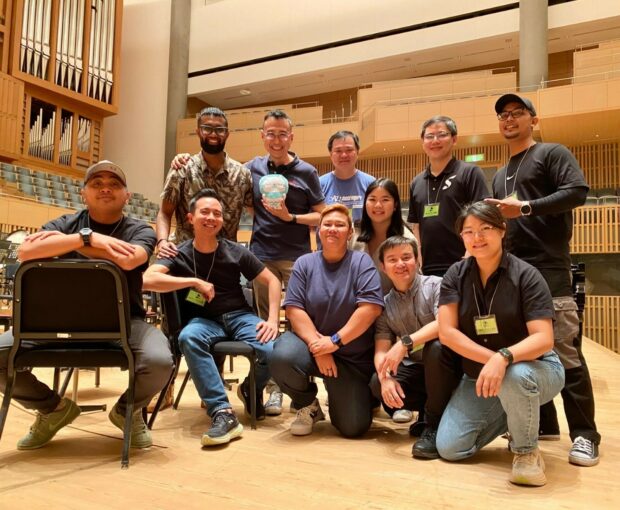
x: 407, y: 342
x: 85, y: 233
x: 293, y: 218
x: 336, y: 340
x: 507, y: 355
x: 526, y: 209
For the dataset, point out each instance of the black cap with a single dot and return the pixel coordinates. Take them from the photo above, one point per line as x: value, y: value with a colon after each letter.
x: 513, y: 98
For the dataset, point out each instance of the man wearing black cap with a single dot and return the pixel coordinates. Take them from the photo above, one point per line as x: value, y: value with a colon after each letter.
x: 537, y: 191
x: 100, y: 231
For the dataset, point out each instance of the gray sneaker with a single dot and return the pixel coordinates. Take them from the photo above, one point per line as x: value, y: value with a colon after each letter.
x: 402, y: 416
x: 140, y: 434
x: 306, y: 418
x: 273, y: 406
x: 46, y: 426
x: 528, y: 469
x: 583, y: 452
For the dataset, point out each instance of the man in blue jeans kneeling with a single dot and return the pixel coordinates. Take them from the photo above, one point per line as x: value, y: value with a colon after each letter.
x: 210, y: 269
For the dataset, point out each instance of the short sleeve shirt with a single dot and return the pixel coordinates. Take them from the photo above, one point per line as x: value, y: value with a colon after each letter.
x: 223, y: 268
x: 407, y: 312
x: 543, y: 240
x: 516, y: 293
x: 460, y: 183
x: 330, y: 293
x: 130, y: 230
x: 272, y: 238
x: 232, y: 182
x: 348, y: 192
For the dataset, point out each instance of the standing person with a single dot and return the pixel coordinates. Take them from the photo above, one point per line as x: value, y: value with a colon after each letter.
x: 332, y: 300
x: 281, y: 234
x: 537, y: 191
x: 99, y: 231
x: 495, y: 310
x: 406, y: 346
x: 209, y: 168
x: 345, y: 184
x: 437, y: 195
x: 210, y: 269
x: 382, y: 217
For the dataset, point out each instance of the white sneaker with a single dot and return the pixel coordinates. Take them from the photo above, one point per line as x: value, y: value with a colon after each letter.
x: 273, y: 406
x: 528, y: 469
x: 306, y: 418
x: 402, y: 416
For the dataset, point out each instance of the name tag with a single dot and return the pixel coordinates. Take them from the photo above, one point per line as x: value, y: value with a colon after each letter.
x: 431, y: 210
x: 486, y: 325
x: 195, y: 297
x: 514, y: 195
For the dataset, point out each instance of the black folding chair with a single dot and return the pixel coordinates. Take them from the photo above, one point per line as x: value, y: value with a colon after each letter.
x: 71, y: 313
x: 175, y: 316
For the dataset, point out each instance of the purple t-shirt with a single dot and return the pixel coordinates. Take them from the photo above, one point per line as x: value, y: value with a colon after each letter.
x: 330, y: 292
x: 272, y: 238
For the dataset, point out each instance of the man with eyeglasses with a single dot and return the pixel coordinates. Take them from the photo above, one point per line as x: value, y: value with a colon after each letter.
x: 437, y: 195
x: 209, y: 168
x: 345, y: 184
x: 537, y: 191
x: 281, y: 234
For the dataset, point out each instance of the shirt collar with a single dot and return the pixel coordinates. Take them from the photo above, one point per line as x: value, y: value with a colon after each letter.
x: 449, y: 169
x: 206, y: 169
x: 410, y: 293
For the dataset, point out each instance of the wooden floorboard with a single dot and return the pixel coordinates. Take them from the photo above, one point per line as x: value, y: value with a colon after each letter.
x: 268, y: 468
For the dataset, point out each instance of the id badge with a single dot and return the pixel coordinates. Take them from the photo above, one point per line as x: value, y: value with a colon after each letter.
x: 431, y: 210
x: 514, y: 195
x: 195, y: 297
x: 486, y: 325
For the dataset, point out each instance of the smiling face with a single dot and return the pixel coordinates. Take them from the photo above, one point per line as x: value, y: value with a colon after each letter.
x: 517, y: 127
x: 344, y: 154
x: 212, y: 133
x: 277, y: 137
x: 106, y: 193
x: 482, y: 240
x: 207, y: 217
x: 335, y: 231
x: 400, y: 265
x: 438, y: 142
x: 380, y: 205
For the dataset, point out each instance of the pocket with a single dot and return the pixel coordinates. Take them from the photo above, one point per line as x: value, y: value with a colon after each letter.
x: 566, y: 324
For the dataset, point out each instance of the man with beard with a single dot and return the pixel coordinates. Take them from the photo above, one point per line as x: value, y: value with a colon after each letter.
x: 210, y: 168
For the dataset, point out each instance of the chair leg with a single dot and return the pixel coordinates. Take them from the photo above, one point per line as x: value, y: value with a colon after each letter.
x: 231, y: 366
x: 162, y: 394
x: 128, y: 419
x: 181, y: 390
x: 65, y: 383
x: 97, y: 377
x: 56, y: 383
x: 252, y: 376
x: 4, y: 410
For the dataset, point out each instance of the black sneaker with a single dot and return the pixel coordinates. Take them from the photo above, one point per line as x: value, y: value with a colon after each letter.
x: 584, y: 452
x: 244, y: 395
x: 224, y: 427
x: 416, y: 428
x: 426, y: 446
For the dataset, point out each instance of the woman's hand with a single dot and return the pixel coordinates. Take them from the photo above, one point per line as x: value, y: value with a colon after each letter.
x: 491, y: 376
x: 327, y: 365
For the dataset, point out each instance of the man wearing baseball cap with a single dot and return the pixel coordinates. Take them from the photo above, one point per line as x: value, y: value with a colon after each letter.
x: 100, y: 231
x: 537, y: 191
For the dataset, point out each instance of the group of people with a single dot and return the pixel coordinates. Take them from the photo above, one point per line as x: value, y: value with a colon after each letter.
x: 404, y: 316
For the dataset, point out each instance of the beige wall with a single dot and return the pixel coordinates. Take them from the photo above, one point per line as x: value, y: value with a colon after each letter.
x: 135, y: 138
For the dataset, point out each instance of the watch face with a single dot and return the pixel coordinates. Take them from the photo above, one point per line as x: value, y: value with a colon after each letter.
x: 406, y: 340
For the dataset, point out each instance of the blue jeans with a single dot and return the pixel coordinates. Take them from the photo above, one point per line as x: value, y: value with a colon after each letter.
x: 195, y: 341
x: 471, y: 422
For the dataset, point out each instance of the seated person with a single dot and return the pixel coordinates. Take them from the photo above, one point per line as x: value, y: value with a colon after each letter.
x: 332, y: 301
x: 99, y: 231
x: 495, y: 310
x: 211, y: 268
x: 401, y: 381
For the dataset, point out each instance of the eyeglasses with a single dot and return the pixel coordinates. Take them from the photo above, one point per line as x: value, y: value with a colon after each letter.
x: 482, y: 233
x: 515, y: 114
x: 442, y: 135
x: 209, y: 130
x: 270, y: 135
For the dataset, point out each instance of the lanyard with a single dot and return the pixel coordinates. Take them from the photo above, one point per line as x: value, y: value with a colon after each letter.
x: 506, y: 178
x: 428, y: 190
x: 492, y: 297
x: 212, y: 262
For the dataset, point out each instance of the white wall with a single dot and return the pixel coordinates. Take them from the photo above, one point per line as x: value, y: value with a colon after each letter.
x: 136, y: 137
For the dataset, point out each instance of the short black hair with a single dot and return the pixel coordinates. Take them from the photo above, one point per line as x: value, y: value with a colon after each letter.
x: 440, y: 119
x: 394, y: 241
x: 278, y: 114
x: 211, y: 111
x: 204, y: 192
x: 341, y: 135
x: 483, y: 211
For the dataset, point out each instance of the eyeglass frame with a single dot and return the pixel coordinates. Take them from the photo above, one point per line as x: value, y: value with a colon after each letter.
x: 442, y: 135
x: 207, y: 130
x: 510, y: 113
x: 270, y: 135
x: 482, y: 233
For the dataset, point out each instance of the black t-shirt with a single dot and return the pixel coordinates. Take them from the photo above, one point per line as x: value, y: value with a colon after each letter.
x: 130, y: 230
x: 230, y: 260
x: 460, y: 183
x: 518, y: 292
x: 541, y: 240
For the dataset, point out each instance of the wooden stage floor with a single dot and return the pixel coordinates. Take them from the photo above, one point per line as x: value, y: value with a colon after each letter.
x: 268, y: 468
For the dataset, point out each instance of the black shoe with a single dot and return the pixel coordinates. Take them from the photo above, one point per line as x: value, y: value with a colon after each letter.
x: 416, y: 428
x: 224, y: 427
x: 244, y: 395
x: 426, y: 446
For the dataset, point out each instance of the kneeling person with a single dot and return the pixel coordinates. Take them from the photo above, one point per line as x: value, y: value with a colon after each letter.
x: 211, y: 269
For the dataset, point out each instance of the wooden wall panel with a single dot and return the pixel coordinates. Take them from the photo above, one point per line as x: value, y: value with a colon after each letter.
x: 11, y: 114
x: 602, y: 321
